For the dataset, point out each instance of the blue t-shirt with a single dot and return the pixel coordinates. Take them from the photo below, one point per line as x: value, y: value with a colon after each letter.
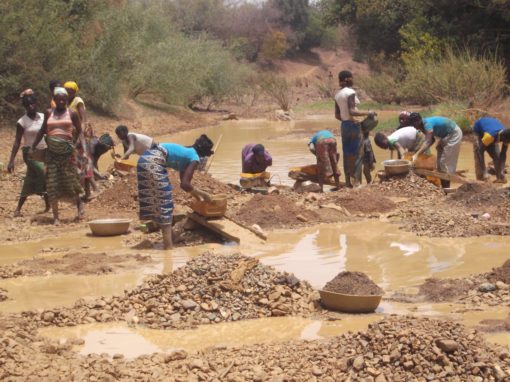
x: 179, y: 157
x: 488, y: 125
x: 441, y: 126
x: 323, y: 134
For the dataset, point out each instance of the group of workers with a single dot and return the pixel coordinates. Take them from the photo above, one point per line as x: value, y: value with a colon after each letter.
x: 61, y: 154
x: 64, y: 165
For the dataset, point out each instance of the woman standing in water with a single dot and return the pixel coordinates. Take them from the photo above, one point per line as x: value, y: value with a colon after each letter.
x: 27, y: 129
x: 154, y: 188
x: 62, y: 179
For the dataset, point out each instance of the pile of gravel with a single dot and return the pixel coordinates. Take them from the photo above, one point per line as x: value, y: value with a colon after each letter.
x: 208, y: 289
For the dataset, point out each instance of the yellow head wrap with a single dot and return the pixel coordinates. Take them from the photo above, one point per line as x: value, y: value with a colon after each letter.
x: 72, y: 85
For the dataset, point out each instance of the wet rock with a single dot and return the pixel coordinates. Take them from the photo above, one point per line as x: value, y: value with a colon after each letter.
x: 448, y: 346
x: 317, y: 371
x: 189, y: 304
x: 48, y: 316
x: 358, y: 363
x: 487, y: 287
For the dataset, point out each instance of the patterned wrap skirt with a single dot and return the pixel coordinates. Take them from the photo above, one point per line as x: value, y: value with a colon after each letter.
x: 35, y: 177
x: 154, y: 188
x: 326, y: 153
x: 62, y: 177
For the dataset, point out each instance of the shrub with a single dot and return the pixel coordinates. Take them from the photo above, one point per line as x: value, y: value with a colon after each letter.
x: 382, y: 88
x: 279, y: 90
x: 458, y: 76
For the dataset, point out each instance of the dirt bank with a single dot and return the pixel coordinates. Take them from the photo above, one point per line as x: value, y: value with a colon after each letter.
x: 394, y: 349
x: 74, y: 263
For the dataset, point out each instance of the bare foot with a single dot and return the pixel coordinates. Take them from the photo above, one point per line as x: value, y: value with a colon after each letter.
x: 17, y: 214
x: 56, y: 222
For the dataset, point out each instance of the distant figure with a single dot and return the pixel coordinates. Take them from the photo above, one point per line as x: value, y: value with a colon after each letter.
x: 98, y: 147
x: 84, y: 158
x: 323, y: 146
x: 133, y: 142
x: 255, y: 159
x: 490, y: 132
x: 346, y: 111
x: 403, y: 119
x: 52, y: 85
x: 368, y: 157
x: 448, y: 147
x: 27, y: 128
x: 406, y: 139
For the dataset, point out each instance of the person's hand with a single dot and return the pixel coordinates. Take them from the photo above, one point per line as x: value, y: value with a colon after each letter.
x: 371, y: 114
x: 414, y: 158
x: 201, y: 195
x: 10, y: 167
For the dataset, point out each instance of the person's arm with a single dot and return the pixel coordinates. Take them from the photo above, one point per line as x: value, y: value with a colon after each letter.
x: 42, y: 132
x: 186, y: 177
x: 351, y: 103
x: 311, y: 147
x: 131, y: 147
x: 400, y: 150
x: 15, y: 147
x: 429, y: 141
x: 337, y: 112
x: 84, y: 121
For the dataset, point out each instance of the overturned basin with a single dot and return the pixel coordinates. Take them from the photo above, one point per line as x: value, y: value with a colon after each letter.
x: 109, y: 227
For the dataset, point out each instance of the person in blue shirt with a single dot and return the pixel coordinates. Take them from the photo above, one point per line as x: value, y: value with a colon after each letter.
x: 154, y: 188
x: 489, y: 132
x: 323, y: 146
x: 448, y: 147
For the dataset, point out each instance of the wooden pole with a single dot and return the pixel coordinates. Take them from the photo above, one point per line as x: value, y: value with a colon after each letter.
x: 210, y: 159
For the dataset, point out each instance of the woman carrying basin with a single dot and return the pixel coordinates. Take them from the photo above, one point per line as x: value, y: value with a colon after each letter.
x: 154, y: 187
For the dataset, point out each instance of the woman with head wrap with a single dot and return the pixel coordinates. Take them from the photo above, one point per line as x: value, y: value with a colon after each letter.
x: 62, y: 178
x: 77, y: 105
x: 154, y: 188
x: 27, y: 129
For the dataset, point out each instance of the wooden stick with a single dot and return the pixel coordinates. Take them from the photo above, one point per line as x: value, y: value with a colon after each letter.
x: 441, y: 175
x: 252, y: 230
x: 210, y: 159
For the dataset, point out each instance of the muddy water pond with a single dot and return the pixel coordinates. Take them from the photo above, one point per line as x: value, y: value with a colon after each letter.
x: 286, y: 141
x: 132, y: 342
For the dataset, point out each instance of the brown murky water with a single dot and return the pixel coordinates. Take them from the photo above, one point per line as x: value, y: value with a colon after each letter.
x: 132, y: 342
x: 286, y: 141
x: 394, y: 259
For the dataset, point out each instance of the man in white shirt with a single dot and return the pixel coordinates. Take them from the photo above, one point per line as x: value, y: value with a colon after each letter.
x: 405, y: 139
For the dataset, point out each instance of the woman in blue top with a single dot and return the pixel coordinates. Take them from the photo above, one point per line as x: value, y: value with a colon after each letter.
x: 154, y: 188
x: 448, y: 147
x: 489, y: 133
x: 323, y: 146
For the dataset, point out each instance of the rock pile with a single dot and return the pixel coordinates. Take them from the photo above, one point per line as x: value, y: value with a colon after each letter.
x: 394, y: 349
x: 411, y: 185
x: 355, y: 283
x: 208, y: 289
x: 3, y: 295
